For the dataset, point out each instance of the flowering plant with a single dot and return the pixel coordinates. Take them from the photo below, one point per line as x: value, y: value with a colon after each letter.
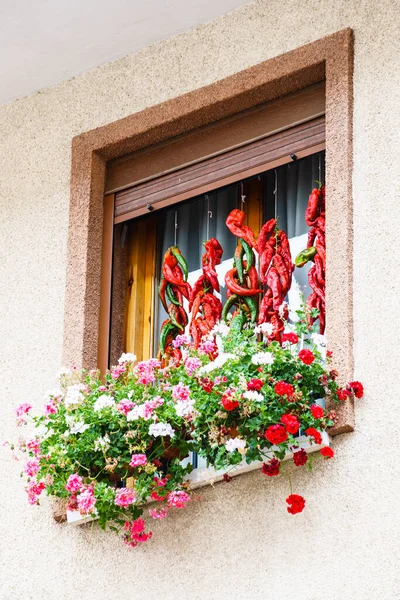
x: 110, y: 445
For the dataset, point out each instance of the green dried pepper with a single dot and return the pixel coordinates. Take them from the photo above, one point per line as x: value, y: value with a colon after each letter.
x: 238, y: 261
x: 171, y: 296
x: 251, y: 304
x: 249, y: 255
x: 238, y: 322
x: 234, y: 299
x: 304, y: 256
x: 180, y: 260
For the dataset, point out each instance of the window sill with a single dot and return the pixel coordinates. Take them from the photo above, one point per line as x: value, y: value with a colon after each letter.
x: 208, y: 476
x: 203, y: 476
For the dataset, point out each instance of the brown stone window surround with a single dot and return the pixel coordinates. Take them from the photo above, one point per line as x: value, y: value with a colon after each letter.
x: 330, y: 58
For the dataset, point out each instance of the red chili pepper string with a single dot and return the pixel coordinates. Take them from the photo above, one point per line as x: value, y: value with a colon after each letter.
x: 174, y: 277
x: 276, y: 268
x: 315, y: 218
x: 205, y: 307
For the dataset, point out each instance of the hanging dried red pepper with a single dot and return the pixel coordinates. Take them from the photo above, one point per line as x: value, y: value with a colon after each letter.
x: 316, y: 252
x: 205, y: 307
x: 242, y: 280
x: 173, y: 287
x: 276, y: 268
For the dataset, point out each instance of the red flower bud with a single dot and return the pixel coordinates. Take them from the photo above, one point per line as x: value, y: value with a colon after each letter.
x: 296, y: 504
x: 358, y: 388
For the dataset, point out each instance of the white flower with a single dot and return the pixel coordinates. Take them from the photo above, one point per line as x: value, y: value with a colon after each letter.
x: 235, y: 444
x: 42, y: 432
x: 138, y: 412
x: 63, y: 373
x: 184, y: 408
x: 102, y: 443
x: 253, y: 395
x: 103, y: 401
x: 221, y: 329
x: 74, y: 394
x: 56, y: 393
x: 127, y: 357
x: 265, y: 328
x: 78, y: 427
x: 262, y: 358
x: 217, y: 363
x: 161, y: 429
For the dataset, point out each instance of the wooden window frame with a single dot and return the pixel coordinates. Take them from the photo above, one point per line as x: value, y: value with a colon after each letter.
x: 330, y: 58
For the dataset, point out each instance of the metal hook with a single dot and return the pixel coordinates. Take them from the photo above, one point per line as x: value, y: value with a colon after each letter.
x: 242, y: 194
x: 209, y: 216
x: 319, y: 168
x: 176, y: 228
x: 276, y: 192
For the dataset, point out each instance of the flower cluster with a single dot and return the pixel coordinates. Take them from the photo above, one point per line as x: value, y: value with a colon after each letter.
x: 110, y: 445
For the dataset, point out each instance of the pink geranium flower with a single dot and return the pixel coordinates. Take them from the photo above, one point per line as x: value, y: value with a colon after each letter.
x: 34, y: 489
x: 124, y: 497
x: 33, y: 446
x: 158, y: 514
x: 178, y: 499
x: 125, y: 406
x: 135, y: 533
x: 32, y: 467
x: 138, y: 460
x: 74, y: 483
x: 192, y: 364
x: 180, y: 392
x: 23, y: 409
x: 86, y: 501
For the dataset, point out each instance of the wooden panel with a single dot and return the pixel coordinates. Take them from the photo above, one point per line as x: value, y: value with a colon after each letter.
x: 209, y: 141
x: 253, y: 203
x: 215, y: 171
x: 140, y: 286
x: 105, y: 284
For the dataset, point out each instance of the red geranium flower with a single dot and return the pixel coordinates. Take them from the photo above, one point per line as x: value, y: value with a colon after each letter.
x: 317, y: 411
x: 292, y: 338
x: 342, y: 394
x: 156, y: 497
x: 312, y: 432
x: 306, y: 356
x: 329, y: 353
x: 291, y: 423
x: 357, y: 388
x: 271, y: 468
x: 300, y: 458
x: 207, y: 384
x: 327, y: 452
x: 227, y: 477
x: 284, y: 389
x: 228, y: 403
x: 276, y: 434
x: 296, y: 504
x: 255, y: 384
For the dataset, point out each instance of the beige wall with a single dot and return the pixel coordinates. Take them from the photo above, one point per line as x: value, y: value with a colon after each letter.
x: 238, y: 542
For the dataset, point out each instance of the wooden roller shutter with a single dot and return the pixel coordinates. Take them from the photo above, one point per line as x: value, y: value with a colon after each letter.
x: 219, y: 154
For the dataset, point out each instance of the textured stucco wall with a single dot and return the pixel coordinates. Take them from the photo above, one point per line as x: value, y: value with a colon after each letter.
x: 237, y: 543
